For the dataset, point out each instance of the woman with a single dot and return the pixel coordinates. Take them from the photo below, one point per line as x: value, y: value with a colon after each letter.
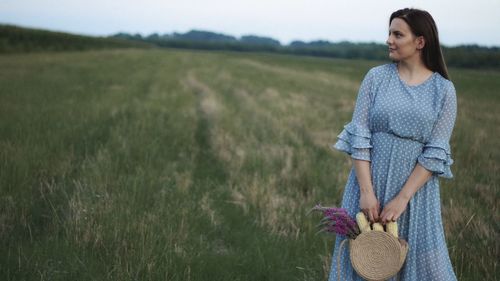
x: 398, y: 140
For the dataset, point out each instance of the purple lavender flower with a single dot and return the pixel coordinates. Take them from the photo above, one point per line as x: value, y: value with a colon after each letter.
x: 337, y: 220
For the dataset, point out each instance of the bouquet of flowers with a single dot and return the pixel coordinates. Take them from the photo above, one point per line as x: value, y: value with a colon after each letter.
x: 336, y: 220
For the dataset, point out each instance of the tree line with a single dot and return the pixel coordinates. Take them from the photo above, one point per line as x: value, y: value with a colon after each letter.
x: 19, y: 39
x: 14, y: 39
x: 470, y: 56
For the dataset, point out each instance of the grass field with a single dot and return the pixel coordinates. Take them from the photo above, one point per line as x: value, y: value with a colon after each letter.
x: 185, y: 165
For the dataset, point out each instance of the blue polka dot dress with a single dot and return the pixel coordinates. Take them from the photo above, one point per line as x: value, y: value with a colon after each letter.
x: 395, y: 126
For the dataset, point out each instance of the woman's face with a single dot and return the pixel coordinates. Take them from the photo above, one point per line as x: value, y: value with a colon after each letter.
x: 402, y: 43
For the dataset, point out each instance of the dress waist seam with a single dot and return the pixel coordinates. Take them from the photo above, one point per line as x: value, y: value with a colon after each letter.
x: 398, y: 136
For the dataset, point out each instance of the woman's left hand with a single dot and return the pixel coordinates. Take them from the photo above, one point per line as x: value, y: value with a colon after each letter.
x: 393, y: 210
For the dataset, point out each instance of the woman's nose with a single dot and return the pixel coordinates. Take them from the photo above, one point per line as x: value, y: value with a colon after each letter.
x: 389, y: 40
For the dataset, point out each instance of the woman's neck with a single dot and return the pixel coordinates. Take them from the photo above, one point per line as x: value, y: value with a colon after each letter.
x: 413, y: 70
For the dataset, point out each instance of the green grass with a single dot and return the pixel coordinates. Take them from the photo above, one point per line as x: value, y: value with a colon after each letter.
x: 190, y: 165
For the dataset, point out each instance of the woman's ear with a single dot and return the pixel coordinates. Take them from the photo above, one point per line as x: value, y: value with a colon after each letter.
x: 420, y: 40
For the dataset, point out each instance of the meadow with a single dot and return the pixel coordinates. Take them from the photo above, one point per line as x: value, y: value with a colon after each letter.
x: 194, y: 165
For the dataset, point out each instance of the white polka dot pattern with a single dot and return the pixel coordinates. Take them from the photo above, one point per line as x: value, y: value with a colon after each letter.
x: 395, y: 126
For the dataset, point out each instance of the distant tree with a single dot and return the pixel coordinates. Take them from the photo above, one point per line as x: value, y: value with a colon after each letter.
x: 258, y: 40
x: 198, y: 35
x: 298, y: 44
x: 153, y: 36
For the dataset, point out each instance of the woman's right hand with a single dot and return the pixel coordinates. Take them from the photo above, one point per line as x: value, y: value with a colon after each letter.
x: 369, y: 205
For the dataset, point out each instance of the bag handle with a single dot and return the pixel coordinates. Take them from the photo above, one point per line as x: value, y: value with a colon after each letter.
x: 339, y: 269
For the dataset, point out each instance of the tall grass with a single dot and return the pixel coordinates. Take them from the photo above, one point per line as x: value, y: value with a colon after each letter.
x: 186, y: 165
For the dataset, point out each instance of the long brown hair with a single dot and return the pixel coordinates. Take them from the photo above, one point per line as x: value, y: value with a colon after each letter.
x: 422, y: 24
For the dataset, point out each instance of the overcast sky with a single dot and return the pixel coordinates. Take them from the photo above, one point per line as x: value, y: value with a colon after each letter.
x: 459, y: 22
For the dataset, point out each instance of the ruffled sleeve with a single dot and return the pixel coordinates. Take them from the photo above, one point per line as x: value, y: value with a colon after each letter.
x: 436, y: 153
x: 356, y: 135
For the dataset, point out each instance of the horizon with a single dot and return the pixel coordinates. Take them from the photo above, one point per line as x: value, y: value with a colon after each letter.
x: 237, y: 37
x: 468, y: 24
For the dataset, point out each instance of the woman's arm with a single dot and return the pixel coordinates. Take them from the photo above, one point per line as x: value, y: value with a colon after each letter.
x: 355, y: 141
x: 419, y: 176
x: 368, y: 203
x: 393, y: 210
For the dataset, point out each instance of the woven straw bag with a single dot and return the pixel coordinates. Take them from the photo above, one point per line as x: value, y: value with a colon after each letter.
x: 375, y: 255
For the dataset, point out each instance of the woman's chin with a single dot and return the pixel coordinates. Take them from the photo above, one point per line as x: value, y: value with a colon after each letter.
x: 393, y: 57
